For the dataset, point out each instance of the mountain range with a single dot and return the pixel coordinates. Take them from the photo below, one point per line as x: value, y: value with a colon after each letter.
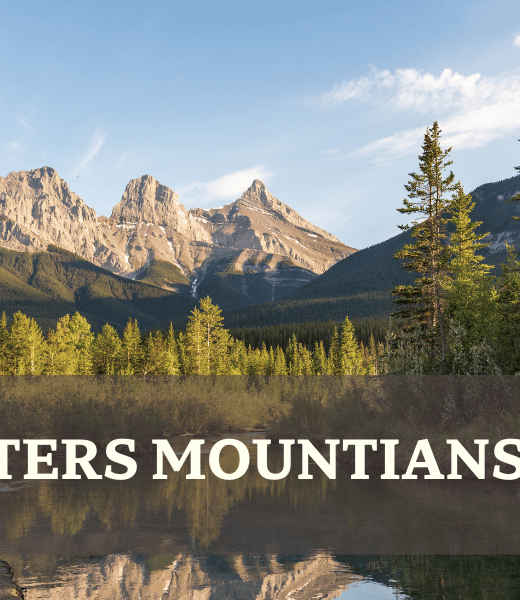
x: 253, y: 250
x: 152, y: 259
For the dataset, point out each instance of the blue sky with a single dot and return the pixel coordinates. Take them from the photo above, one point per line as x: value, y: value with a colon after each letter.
x: 326, y: 102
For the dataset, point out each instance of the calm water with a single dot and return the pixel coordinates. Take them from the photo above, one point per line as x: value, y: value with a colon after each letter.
x: 253, y: 538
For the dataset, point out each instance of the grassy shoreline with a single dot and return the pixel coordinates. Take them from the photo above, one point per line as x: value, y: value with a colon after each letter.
x: 316, y: 408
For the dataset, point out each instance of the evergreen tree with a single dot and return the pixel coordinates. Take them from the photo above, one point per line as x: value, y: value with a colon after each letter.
x: 132, y: 352
x: 157, y: 357
x: 424, y: 303
x: 335, y: 365
x: 306, y: 364
x: 60, y: 357
x: 319, y: 359
x: 254, y: 362
x: 181, y: 349
x: 516, y: 197
x: 351, y: 359
x: 293, y: 357
x: 82, y: 338
x: 237, y: 359
x: 471, y: 302
x: 373, y: 362
x: 508, y: 305
x: 106, y: 351
x: 173, y: 362
x: 195, y: 363
x: 280, y: 366
x: 466, y: 264
x: 264, y: 360
x: 25, y: 346
x: 207, y: 342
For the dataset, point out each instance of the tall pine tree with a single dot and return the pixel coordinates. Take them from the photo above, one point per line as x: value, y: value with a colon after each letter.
x: 424, y: 303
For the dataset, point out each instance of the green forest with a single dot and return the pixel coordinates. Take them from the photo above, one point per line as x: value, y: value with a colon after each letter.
x: 204, y: 348
x: 454, y: 317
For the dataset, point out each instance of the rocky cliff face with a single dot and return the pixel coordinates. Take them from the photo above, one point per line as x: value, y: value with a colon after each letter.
x: 256, y: 237
x: 37, y: 208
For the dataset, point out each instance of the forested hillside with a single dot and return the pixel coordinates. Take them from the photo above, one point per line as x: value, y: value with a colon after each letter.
x: 47, y: 285
x: 359, y: 286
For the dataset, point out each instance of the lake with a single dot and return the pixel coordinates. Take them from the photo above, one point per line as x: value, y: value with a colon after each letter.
x: 253, y: 538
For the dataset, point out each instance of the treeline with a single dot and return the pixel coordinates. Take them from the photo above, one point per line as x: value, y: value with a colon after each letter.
x: 309, y: 333
x: 204, y: 348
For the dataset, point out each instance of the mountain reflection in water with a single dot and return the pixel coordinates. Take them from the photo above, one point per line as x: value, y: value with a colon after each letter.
x: 253, y: 538
x: 188, y: 577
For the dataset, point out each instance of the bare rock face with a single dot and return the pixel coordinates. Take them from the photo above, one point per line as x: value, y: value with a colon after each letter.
x: 146, y: 200
x: 37, y: 208
x: 259, y: 221
x: 258, y: 195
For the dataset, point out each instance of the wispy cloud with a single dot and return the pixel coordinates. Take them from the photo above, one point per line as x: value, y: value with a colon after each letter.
x: 16, y: 147
x: 355, y: 89
x: 124, y: 156
x: 516, y: 41
x: 228, y: 187
x: 331, y: 153
x: 472, y: 110
x: 95, y: 146
x: 22, y: 120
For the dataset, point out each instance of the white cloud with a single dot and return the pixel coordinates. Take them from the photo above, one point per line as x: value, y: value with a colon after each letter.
x: 95, y: 146
x: 472, y: 110
x: 516, y: 41
x: 227, y: 187
x: 406, y: 89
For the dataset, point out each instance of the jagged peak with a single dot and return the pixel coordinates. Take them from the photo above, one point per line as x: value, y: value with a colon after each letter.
x: 257, y: 184
x: 39, y: 173
x: 147, y: 199
x: 47, y: 180
x: 146, y: 183
x: 144, y: 178
x: 258, y: 193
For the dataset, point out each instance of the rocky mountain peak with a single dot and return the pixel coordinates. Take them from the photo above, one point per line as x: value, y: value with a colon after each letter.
x: 258, y: 196
x: 43, y: 180
x: 26, y: 194
x: 145, y: 199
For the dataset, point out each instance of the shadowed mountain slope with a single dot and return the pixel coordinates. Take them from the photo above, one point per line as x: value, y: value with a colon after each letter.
x: 359, y: 285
